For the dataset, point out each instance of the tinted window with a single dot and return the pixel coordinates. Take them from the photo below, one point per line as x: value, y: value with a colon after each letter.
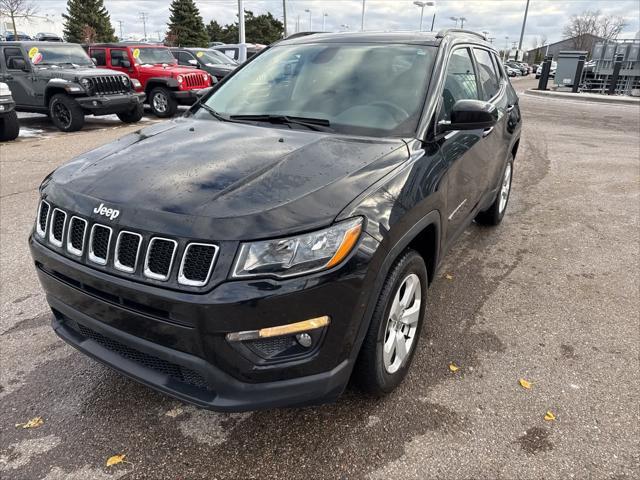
x: 100, y: 56
x: 9, y: 53
x: 487, y: 74
x: 184, y: 57
x: 460, y: 83
x: 117, y: 57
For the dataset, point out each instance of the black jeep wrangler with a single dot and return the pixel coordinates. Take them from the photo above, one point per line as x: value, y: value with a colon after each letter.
x: 9, y: 126
x: 60, y: 80
x: 279, y: 239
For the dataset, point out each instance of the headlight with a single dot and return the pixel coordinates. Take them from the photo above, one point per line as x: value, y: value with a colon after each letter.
x: 86, y: 84
x: 179, y: 78
x: 302, y: 254
x: 125, y: 81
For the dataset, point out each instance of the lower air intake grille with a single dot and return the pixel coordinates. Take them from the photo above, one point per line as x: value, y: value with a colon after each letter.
x: 160, y: 258
x: 100, y: 239
x: 180, y: 373
x: 197, y: 264
x: 270, y: 347
x: 127, y: 251
x: 58, y: 219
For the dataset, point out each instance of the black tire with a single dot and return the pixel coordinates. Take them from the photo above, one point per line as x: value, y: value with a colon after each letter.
x: 65, y: 113
x: 132, y: 116
x: 162, y: 103
x: 9, y: 126
x: 370, y: 372
x: 494, y: 214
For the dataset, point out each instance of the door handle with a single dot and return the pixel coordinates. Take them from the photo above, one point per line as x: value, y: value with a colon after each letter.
x: 510, y: 108
x: 487, y: 132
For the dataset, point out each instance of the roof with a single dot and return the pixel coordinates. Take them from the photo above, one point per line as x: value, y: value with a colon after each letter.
x: 126, y: 45
x: 34, y: 43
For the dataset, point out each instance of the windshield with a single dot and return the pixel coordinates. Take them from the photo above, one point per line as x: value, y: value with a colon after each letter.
x: 357, y: 88
x: 212, y: 57
x: 59, y: 55
x: 153, y: 55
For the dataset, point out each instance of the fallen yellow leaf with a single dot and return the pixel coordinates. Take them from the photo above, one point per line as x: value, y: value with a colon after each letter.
x: 453, y: 367
x: 448, y: 276
x: 525, y: 384
x: 116, y: 459
x: 549, y: 416
x: 33, y: 423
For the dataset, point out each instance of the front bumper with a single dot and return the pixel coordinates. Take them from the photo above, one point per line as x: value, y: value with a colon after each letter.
x: 113, y: 320
x: 6, y: 105
x: 187, y: 97
x: 110, y: 104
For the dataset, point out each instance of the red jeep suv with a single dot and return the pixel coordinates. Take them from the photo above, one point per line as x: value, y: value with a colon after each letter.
x: 154, y: 71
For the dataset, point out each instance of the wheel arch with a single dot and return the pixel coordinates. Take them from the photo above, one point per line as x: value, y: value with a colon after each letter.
x: 50, y: 92
x: 159, y: 82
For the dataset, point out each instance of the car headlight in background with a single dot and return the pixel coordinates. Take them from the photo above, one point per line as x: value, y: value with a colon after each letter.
x: 4, y: 90
x: 179, y: 78
x: 298, y: 255
x: 125, y: 81
x: 86, y: 84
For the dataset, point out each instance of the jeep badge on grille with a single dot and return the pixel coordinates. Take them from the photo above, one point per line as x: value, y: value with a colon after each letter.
x: 111, y: 213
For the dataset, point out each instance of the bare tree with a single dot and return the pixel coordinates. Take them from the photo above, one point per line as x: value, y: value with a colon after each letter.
x: 592, y: 22
x: 543, y: 40
x: 17, y: 9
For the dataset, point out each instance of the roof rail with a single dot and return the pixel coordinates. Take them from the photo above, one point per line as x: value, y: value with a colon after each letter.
x: 447, y: 31
x: 300, y: 34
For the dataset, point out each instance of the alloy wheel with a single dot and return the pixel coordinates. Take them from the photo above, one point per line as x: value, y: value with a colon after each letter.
x: 504, y: 190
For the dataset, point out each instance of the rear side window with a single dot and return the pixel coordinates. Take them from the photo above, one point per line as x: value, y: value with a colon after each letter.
x: 460, y: 83
x: 9, y: 55
x: 231, y: 53
x: 487, y: 74
x: 100, y: 55
x: 117, y: 57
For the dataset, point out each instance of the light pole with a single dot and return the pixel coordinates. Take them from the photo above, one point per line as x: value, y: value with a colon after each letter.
x: 324, y: 17
x: 506, y: 47
x: 486, y: 34
x: 309, y: 12
x: 433, y: 20
x: 422, y: 5
x: 362, y: 19
x: 455, y: 19
x: 241, y: 38
x: 462, y: 20
x: 524, y: 24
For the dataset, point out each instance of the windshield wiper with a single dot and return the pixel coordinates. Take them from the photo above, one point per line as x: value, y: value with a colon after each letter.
x: 217, y: 115
x: 317, y: 124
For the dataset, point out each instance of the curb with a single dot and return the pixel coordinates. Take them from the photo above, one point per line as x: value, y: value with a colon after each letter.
x: 585, y: 97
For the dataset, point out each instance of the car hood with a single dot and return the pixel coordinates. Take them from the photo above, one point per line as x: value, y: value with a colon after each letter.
x: 75, y: 73
x: 166, y: 69
x: 241, y: 181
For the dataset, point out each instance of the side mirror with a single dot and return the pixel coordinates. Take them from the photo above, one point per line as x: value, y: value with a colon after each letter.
x: 193, y: 62
x: 125, y: 64
x: 471, y: 115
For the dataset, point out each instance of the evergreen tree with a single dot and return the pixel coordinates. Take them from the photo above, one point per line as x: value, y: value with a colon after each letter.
x: 87, y: 16
x: 214, y: 30
x: 186, y: 25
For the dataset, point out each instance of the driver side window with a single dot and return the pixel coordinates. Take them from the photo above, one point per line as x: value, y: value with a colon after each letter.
x: 460, y: 82
x: 11, y: 54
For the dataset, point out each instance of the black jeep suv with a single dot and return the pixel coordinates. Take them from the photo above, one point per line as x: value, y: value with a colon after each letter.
x: 279, y: 239
x: 60, y: 80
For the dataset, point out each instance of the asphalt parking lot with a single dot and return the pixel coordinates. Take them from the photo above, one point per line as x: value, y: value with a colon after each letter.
x: 550, y: 296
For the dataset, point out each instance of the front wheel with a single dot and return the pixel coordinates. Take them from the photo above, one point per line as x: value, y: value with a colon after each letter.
x: 132, y: 116
x: 9, y: 127
x: 65, y: 113
x: 162, y: 104
x: 495, y: 213
x: 388, y: 348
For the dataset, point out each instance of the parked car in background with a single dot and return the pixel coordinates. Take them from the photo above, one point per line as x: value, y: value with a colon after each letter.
x: 215, y: 44
x: 59, y: 79
x: 534, y: 67
x: 518, y: 66
x: 552, y: 71
x: 512, y: 72
x: 11, y: 37
x: 9, y: 126
x: 216, y: 63
x: 240, y: 52
x: 279, y: 240
x: 154, y: 71
x: 48, y: 37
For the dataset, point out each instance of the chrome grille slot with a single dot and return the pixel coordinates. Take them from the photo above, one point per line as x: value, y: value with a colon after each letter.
x: 75, y: 235
x: 127, y: 251
x: 56, y: 231
x: 108, y: 84
x: 99, y: 243
x: 197, y: 264
x: 43, y: 218
x: 159, y: 259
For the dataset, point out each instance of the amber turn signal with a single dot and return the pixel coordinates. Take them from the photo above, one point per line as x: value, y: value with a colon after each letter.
x: 291, y: 328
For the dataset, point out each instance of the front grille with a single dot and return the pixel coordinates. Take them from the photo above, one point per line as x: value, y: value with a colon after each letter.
x: 197, y: 264
x: 160, y: 258
x: 99, y: 244
x: 58, y: 221
x: 108, y: 84
x: 43, y: 217
x: 195, y: 268
x: 75, y: 236
x: 127, y: 249
x: 178, y: 372
x: 194, y: 80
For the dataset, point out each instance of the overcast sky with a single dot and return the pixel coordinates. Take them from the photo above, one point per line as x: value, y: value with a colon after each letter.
x: 500, y: 18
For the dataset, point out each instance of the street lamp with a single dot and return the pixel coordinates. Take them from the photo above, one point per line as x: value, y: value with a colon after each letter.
x: 309, y: 12
x: 462, y: 20
x: 422, y: 5
x: 455, y: 19
x: 324, y: 17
